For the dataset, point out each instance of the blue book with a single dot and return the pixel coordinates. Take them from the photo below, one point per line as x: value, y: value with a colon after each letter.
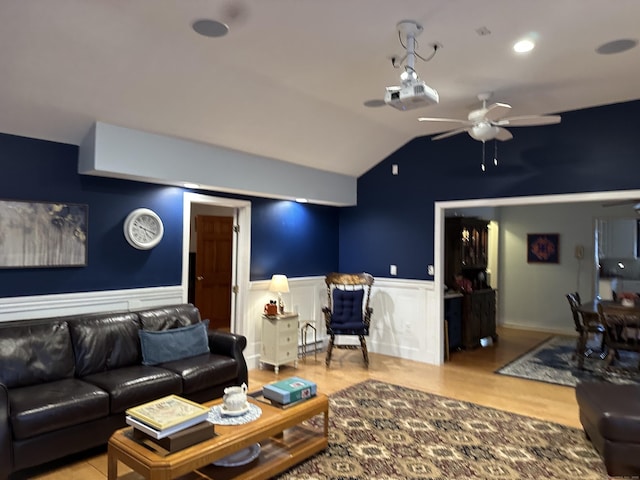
x: 289, y: 390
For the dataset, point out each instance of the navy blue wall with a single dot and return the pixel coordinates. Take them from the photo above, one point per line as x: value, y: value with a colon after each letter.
x: 293, y: 238
x: 289, y: 238
x: 594, y: 149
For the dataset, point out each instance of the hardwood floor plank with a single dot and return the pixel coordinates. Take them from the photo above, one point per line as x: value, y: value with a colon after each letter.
x: 468, y: 376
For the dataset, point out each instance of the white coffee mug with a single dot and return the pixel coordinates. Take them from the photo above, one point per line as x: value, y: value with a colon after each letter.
x: 235, y: 398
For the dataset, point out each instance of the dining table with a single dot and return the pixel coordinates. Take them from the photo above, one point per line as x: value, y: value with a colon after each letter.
x: 591, y: 307
x: 621, y: 322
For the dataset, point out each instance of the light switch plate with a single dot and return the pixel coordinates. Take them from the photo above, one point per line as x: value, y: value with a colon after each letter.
x: 430, y: 270
x: 393, y: 270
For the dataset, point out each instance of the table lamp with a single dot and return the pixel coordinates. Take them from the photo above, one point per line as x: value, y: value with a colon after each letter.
x: 280, y: 284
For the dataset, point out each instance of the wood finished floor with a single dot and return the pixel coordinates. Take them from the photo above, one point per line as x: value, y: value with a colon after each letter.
x: 467, y: 376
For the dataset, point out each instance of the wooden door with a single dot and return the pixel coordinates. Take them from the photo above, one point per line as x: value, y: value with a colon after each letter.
x: 214, y: 268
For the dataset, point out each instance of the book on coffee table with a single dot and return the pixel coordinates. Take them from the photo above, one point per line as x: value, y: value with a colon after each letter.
x: 167, y: 415
x: 289, y: 390
x: 175, y: 441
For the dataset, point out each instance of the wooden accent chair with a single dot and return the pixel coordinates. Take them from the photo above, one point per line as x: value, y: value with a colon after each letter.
x: 347, y: 311
x: 622, y: 329
x: 586, y: 325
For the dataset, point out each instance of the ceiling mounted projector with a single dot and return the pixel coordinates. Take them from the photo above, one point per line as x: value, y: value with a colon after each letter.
x: 413, y: 93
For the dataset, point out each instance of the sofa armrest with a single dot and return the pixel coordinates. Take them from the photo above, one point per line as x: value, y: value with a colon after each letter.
x: 231, y: 345
x: 6, y: 449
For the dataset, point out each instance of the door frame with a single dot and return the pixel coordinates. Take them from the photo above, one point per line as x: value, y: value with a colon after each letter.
x: 440, y: 208
x: 241, y: 252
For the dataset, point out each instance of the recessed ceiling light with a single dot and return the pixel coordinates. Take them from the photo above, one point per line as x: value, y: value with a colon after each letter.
x: 191, y: 185
x: 210, y: 28
x: 523, y: 46
x: 301, y: 200
x: 616, y: 46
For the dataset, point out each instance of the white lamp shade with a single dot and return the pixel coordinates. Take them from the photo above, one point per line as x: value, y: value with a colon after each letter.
x: 279, y: 283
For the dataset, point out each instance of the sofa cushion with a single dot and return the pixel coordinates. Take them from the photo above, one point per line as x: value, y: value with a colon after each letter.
x: 35, y: 352
x: 50, y: 406
x: 131, y: 386
x: 203, y: 371
x: 174, y: 344
x: 105, y: 341
x: 171, y: 316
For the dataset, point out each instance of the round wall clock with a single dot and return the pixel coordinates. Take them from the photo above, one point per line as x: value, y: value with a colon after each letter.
x: 143, y: 229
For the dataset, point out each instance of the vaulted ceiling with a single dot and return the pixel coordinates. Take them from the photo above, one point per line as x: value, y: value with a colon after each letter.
x: 292, y: 79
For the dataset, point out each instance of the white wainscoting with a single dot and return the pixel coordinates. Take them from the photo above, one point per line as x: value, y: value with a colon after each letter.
x: 45, y: 306
x: 403, y: 322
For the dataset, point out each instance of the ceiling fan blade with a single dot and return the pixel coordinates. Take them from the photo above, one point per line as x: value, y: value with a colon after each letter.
x: 496, y: 110
x: 448, y: 120
x: 503, y: 134
x: 529, y: 120
x: 451, y: 133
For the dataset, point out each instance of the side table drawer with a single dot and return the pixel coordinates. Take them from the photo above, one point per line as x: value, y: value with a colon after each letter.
x: 287, y: 326
x: 287, y: 353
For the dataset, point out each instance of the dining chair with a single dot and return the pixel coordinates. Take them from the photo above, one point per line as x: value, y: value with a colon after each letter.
x: 347, y: 311
x: 622, y: 330
x: 586, y: 325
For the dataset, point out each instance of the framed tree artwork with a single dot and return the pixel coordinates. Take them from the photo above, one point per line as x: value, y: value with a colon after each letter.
x: 42, y: 234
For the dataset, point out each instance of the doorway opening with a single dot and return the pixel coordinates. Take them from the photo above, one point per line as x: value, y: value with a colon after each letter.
x: 224, y: 262
x: 441, y: 208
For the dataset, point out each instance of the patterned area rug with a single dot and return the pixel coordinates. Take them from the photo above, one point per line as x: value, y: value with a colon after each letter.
x: 383, y: 431
x: 552, y: 362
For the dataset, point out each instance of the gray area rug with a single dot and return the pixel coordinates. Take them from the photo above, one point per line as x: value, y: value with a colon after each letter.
x: 553, y: 362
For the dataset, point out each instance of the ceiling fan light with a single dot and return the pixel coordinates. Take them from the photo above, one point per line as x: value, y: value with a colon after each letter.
x: 484, y: 131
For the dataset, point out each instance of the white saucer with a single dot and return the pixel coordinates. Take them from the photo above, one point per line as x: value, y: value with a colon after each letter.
x: 234, y: 413
x: 240, y: 458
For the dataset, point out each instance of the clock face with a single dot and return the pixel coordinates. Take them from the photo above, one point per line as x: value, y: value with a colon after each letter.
x: 143, y: 229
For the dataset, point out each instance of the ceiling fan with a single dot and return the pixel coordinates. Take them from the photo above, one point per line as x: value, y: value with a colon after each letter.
x: 488, y: 122
x: 634, y: 202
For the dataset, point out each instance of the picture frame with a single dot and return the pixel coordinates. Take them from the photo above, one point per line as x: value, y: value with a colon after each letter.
x: 543, y: 248
x: 43, y: 234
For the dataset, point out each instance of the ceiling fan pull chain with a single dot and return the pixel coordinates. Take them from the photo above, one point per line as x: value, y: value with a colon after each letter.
x: 495, y: 152
x: 483, y: 167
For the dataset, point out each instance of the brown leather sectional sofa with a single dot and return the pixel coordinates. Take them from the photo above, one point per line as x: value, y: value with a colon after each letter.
x: 66, y: 382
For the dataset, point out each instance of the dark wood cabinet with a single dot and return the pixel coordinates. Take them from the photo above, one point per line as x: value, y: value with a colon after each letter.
x: 466, y: 251
x: 453, y: 316
x: 478, y: 317
x: 466, y: 254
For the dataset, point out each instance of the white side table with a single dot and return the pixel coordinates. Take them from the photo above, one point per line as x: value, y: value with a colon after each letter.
x: 279, y: 340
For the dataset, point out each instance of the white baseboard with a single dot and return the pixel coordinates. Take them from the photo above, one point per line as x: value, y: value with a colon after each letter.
x: 535, y: 328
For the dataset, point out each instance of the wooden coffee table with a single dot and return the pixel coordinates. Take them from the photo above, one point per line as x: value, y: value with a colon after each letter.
x: 284, y: 443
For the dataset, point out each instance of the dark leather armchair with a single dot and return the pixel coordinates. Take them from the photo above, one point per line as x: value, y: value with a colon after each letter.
x: 347, y: 311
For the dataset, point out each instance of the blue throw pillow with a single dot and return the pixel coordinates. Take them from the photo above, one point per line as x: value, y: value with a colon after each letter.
x: 174, y: 344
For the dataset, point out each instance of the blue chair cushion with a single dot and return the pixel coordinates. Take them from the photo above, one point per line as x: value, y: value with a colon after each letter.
x: 346, y: 318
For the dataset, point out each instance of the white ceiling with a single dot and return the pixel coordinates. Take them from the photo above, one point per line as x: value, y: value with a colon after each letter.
x: 290, y: 79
